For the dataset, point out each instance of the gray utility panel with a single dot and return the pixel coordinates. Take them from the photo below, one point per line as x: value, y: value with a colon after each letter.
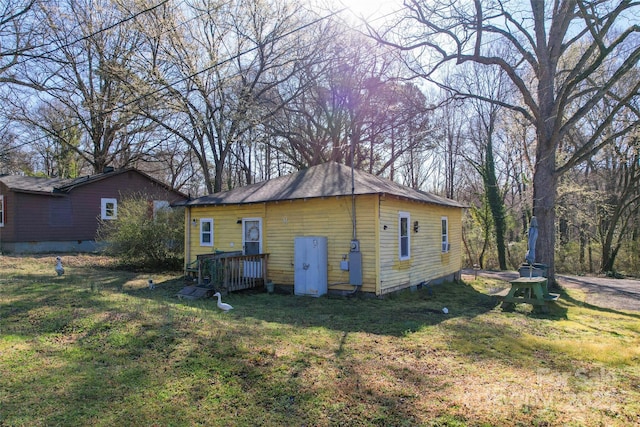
x: 310, y: 265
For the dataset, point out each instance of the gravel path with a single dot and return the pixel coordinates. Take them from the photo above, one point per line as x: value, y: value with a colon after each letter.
x: 606, y: 292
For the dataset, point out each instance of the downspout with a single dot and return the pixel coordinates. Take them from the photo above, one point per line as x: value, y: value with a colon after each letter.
x: 353, y: 192
x: 187, y: 237
x: 353, y: 209
x: 377, y: 246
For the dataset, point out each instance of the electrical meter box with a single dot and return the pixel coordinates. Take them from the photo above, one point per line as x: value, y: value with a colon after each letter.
x: 355, y: 268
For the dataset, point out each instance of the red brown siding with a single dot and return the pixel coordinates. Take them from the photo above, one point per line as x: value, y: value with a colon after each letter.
x: 72, y: 216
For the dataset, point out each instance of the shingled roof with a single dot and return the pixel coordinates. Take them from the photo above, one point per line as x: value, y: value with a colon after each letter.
x: 326, y: 180
x: 33, y: 184
x: 59, y: 186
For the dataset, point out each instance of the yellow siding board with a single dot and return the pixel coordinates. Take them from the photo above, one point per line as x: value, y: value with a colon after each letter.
x: 426, y: 258
x: 283, y: 221
x: 227, y: 233
x: 331, y: 217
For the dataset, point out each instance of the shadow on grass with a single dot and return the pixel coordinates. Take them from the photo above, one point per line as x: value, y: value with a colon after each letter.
x: 137, y: 356
x: 566, y: 296
x: 396, y: 314
x: 149, y: 357
x: 29, y: 293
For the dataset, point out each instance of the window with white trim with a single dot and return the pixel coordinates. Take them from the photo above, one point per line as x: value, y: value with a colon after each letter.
x: 445, y: 234
x: 404, y: 237
x: 108, y: 208
x: 252, y: 236
x: 206, y: 232
x: 160, y: 206
x: 1, y: 210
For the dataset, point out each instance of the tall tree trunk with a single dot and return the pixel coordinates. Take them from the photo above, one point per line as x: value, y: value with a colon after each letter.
x: 545, y: 182
x: 583, y: 245
x: 495, y: 202
x: 609, y: 259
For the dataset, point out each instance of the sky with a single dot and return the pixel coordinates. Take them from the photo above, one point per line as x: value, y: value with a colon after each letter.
x: 370, y: 9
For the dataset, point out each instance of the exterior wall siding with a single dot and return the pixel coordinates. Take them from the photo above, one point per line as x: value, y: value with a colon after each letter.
x: 376, y: 229
x: 70, y: 217
x: 227, y: 233
x: 7, y: 232
x: 427, y: 261
x: 283, y: 221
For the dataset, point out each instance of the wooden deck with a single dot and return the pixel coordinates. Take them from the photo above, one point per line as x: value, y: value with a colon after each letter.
x: 231, y: 271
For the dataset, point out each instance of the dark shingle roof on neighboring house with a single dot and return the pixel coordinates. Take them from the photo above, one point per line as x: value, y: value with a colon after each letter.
x: 326, y: 180
x: 32, y: 184
x: 57, y: 186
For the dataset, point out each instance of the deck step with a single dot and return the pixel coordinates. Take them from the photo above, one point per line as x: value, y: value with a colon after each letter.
x: 195, y: 292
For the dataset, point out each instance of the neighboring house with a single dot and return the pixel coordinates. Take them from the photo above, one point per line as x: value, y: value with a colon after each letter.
x: 402, y: 237
x: 62, y: 215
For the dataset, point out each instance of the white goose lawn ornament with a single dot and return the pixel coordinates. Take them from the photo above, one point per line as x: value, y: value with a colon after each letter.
x: 222, y: 305
x: 59, y: 268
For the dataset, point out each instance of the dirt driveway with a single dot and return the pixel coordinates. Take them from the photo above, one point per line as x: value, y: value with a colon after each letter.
x: 616, y: 294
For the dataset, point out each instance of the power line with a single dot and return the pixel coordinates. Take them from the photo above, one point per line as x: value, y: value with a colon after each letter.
x: 183, y: 79
x: 88, y: 36
x: 231, y: 58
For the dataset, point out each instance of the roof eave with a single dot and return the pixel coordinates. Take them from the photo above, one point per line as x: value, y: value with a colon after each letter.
x: 193, y: 203
x: 37, y: 193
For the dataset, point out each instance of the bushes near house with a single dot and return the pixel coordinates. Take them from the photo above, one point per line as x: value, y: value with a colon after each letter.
x: 143, y: 237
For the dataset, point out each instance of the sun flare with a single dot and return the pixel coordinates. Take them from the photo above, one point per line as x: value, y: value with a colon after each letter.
x: 371, y: 9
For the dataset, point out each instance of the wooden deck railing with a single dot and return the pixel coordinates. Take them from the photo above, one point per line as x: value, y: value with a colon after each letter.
x: 232, y: 271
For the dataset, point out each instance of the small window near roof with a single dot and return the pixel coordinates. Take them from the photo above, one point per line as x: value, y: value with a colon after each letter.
x: 445, y: 234
x: 109, y: 209
x: 404, y: 238
x: 160, y: 206
x: 206, y: 232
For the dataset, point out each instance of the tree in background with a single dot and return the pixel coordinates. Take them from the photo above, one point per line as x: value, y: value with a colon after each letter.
x: 20, y: 38
x: 356, y: 98
x: 12, y: 159
x: 486, y: 123
x: 215, y: 76
x: 86, y: 64
x: 57, y: 140
x: 554, y: 50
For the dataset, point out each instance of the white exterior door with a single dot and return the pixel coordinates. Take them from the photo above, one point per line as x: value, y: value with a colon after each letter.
x: 252, y: 245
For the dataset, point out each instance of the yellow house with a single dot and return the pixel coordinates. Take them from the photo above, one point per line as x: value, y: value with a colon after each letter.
x: 331, y: 229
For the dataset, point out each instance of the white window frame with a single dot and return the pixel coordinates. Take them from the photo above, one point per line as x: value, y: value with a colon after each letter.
x: 404, y: 216
x: 1, y: 210
x: 444, y: 227
x: 204, y: 221
x: 103, y: 208
x: 160, y: 205
x: 244, y: 230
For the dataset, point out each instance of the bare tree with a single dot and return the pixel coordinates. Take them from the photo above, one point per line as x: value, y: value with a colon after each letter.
x: 20, y: 38
x: 12, y: 159
x: 453, y: 128
x: 58, y: 144
x: 555, y: 49
x: 214, y: 67
x: 355, y: 97
x: 485, y: 126
x: 86, y: 63
x: 614, y: 177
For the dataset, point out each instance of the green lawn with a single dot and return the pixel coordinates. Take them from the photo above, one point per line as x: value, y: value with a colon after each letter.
x: 97, y: 347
